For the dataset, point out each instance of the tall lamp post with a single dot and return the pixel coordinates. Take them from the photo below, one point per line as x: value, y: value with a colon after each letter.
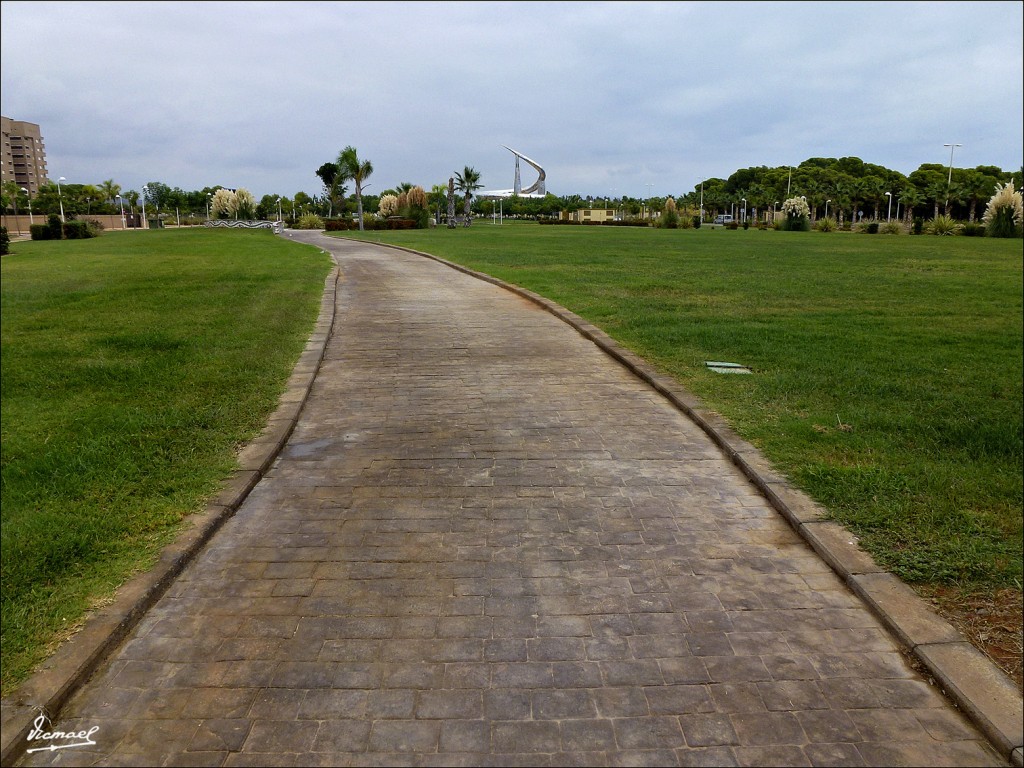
x: 743, y: 216
x: 60, y: 199
x: 949, y: 178
x: 31, y: 221
x: 146, y: 221
x: 826, y: 208
x: 120, y: 200
x: 888, y: 216
x: 279, y: 217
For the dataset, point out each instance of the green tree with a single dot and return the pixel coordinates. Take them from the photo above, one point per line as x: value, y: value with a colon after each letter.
x: 437, y: 195
x: 158, y: 195
x: 351, y: 168
x: 467, y: 182
x: 874, y: 189
x: 911, y: 197
x: 110, y: 191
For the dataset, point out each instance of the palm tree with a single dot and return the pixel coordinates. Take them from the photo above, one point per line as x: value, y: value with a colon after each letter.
x: 855, y: 194
x: 110, y: 190
x: 975, y: 187
x: 467, y: 182
x: 350, y: 168
x: 911, y: 196
x: 437, y: 193
x: 936, y: 191
x: 874, y: 190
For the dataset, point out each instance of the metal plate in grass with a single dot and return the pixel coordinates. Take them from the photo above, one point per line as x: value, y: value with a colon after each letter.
x: 719, y: 367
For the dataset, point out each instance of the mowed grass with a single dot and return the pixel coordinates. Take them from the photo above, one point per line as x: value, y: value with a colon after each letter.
x: 887, y: 370
x: 133, y: 367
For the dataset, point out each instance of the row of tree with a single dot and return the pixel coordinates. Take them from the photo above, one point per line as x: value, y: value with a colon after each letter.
x: 844, y: 188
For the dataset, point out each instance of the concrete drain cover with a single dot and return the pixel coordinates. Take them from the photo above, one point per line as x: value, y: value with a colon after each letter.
x: 727, y: 367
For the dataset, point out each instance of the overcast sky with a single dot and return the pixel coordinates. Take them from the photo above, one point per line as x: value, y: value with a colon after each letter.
x: 611, y: 98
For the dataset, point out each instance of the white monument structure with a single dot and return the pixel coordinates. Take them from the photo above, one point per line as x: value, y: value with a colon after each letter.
x: 537, y: 189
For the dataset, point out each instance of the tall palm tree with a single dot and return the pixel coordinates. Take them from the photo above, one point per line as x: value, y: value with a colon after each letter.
x: 975, y: 187
x: 874, y: 191
x: 437, y: 193
x: 936, y: 192
x: 351, y: 168
x: 467, y: 182
x: 110, y: 190
x: 911, y: 196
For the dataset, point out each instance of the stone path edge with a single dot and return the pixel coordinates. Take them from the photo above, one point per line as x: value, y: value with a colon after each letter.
x: 966, y: 676
x: 59, y: 677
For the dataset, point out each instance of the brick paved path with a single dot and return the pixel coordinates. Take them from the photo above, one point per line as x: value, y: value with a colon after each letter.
x: 487, y: 544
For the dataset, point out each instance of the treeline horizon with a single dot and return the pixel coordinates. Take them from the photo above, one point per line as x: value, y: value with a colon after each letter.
x: 844, y: 187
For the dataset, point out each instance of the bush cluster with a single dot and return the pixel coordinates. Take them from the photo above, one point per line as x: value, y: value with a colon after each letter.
x: 74, y: 229
x: 5, y: 242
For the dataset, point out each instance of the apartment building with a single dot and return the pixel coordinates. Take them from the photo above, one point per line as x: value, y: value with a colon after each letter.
x: 24, y: 155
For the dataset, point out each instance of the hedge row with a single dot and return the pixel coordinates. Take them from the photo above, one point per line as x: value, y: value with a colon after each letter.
x: 348, y: 225
x: 563, y: 222
x: 53, y: 229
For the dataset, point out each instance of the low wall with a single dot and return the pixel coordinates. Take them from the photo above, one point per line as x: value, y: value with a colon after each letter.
x: 21, y: 223
x: 234, y: 224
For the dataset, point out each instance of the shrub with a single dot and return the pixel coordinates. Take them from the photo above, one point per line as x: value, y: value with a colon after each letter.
x: 891, y: 228
x: 387, y: 205
x: 973, y: 229
x: 696, y: 222
x: 39, y: 232
x: 918, y: 226
x: 828, y: 224
x: 54, y: 227
x: 77, y: 230
x: 942, y: 225
x: 797, y: 215
x: 1005, y: 212
x: 341, y: 225
x: 309, y: 221
x: 669, y: 218
x: 746, y: 223
x: 732, y: 225
x: 245, y: 204
x: 5, y: 242
x: 872, y: 228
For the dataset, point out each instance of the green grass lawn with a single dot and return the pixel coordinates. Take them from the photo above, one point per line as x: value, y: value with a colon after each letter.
x: 133, y: 366
x: 887, y: 369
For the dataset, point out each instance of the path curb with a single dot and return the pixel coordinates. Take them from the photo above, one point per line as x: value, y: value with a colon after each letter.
x: 968, y: 678
x: 60, y: 676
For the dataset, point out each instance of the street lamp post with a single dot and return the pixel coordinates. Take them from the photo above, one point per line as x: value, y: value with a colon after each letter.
x: 279, y: 208
x: 888, y: 216
x: 826, y: 208
x: 60, y: 198
x: 31, y: 221
x: 743, y: 216
x: 124, y: 224
x: 949, y: 178
x: 144, y: 219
